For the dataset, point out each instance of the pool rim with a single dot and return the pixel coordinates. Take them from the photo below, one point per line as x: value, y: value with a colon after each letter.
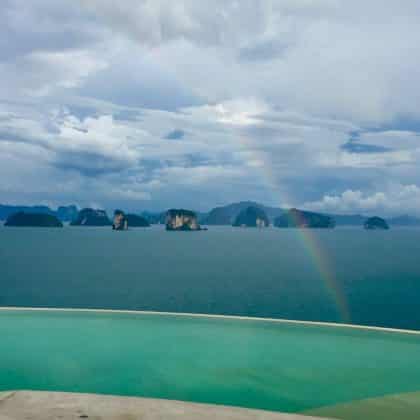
x: 210, y: 316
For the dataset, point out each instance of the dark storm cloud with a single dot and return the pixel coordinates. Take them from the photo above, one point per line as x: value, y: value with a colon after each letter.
x: 138, y: 83
x: 42, y: 26
x: 176, y: 134
x: 82, y: 112
x: 89, y: 164
x: 14, y: 137
x: 18, y: 43
x: 264, y: 50
x: 356, y: 147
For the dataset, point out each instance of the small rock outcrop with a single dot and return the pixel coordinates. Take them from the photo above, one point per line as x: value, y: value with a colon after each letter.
x: 120, y: 221
x: 181, y: 219
x: 374, y: 223
x: 135, y: 220
x: 91, y: 217
x: 304, y: 219
x: 33, y: 220
x: 252, y: 217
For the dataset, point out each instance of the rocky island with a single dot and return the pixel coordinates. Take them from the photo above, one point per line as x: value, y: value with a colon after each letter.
x: 252, y: 217
x: 181, y: 219
x: 91, y: 217
x: 120, y: 221
x: 304, y: 219
x: 33, y: 220
x: 135, y: 220
x: 374, y: 223
x: 226, y: 215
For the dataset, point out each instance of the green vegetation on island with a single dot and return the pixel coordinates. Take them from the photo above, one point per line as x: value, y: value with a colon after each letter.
x: 154, y: 218
x: 181, y: 220
x: 226, y: 215
x: 63, y: 213
x: 123, y: 221
x: 91, y: 217
x: 33, y: 220
x: 134, y: 220
x: 223, y: 216
x: 252, y: 217
x: 375, y: 222
x: 295, y: 218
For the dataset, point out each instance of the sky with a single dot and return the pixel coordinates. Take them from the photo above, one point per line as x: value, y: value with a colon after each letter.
x: 151, y: 104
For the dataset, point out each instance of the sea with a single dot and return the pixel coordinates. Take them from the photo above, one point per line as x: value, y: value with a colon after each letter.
x: 344, y: 275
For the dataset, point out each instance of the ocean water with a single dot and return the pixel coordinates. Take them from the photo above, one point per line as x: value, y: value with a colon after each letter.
x: 341, y: 275
x: 255, y: 364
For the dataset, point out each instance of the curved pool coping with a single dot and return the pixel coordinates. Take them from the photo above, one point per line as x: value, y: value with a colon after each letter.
x: 212, y: 316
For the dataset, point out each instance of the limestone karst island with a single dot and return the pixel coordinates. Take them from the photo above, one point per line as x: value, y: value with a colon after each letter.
x: 246, y: 214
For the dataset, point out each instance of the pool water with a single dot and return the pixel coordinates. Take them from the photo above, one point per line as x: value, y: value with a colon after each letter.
x: 256, y: 364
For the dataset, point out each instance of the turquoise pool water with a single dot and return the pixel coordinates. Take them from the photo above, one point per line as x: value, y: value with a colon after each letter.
x: 259, y: 364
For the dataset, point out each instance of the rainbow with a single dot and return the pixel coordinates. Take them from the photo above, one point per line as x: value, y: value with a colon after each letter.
x: 308, y: 239
x: 321, y: 262
x: 328, y: 276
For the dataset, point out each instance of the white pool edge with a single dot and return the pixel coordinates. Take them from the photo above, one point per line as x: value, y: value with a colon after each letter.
x: 215, y: 316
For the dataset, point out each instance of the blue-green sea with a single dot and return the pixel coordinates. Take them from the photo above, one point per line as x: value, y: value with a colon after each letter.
x: 264, y: 273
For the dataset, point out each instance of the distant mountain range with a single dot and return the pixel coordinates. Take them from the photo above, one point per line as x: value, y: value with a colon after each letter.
x: 224, y: 215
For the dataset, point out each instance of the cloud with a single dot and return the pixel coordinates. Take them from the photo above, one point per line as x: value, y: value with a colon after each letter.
x: 176, y: 134
x: 354, y: 147
x: 44, y: 27
x: 43, y: 73
x: 253, y: 150
x: 280, y: 101
x: 105, y: 154
x: 137, y: 80
x: 264, y: 50
x: 398, y: 199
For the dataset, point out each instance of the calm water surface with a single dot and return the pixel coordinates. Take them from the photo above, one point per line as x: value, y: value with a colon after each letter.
x: 267, y: 273
x: 256, y: 364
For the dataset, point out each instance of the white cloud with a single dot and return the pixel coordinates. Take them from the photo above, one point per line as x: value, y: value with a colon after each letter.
x: 398, y: 199
x: 342, y: 159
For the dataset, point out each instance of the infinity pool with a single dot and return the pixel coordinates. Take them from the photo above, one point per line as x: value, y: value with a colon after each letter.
x: 249, y: 363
